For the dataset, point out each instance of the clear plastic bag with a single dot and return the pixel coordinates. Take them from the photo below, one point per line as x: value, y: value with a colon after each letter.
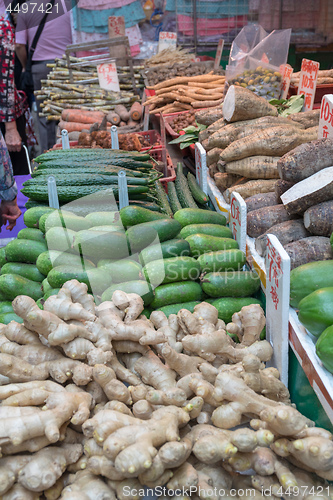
x: 255, y: 60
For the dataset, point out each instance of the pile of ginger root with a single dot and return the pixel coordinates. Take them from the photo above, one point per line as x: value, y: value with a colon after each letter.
x: 98, y: 403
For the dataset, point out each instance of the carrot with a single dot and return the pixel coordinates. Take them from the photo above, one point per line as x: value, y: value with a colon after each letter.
x: 243, y: 104
x: 275, y: 141
x: 113, y: 118
x: 254, y: 167
x: 73, y: 126
x: 122, y: 112
x: 81, y: 116
x: 250, y: 188
x: 136, y: 111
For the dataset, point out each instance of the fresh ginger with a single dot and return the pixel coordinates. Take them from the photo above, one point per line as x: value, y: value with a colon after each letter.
x: 248, y: 324
x: 62, y: 306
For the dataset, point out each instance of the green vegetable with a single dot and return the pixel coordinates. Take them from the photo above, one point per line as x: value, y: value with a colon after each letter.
x: 203, y: 243
x: 289, y: 106
x: 309, y: 277
x: 2, y: 256
x: 173, y: 198
x: 24, y: 251
x: 324, y: 348
x: 12, y: 285
x: 165, y: 250
x: 211, y: 229
x: 187, y: 216
x: 316, y: 310
x: 163, y: 271
x: 67, y: 194
x: 183, y: 191
x: 131, y: 216
x: 222, y: 260
x: 175, y: 293
x: 142, y: 288
x: 31, y: 233
x: 142, y: 235
x: 175, y: 308
x: 7, y: 317
x: 29, y: 271
x: 231, y: 284
x: 227, y: 306
x: 196, y: 190
x: 162, y: 198
x: 191, y: 136
x: 32, y: 215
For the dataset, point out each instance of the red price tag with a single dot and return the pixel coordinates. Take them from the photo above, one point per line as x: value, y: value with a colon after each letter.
x: 116, y: 26
x: 108, y: 76
x: 326, y: 117
x: 286, y: 71
x: 308, y: 82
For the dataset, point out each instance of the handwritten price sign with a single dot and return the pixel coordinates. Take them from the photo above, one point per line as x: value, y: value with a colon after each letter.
x: 326, y: 117
x: 277, y: 303
x: 108, y: 76
x: 308, y: 82
x: 116, y: 26
x: 218, y: 54
x: 286, y: 72
x: 238, y: 220
x: 167, y: 40
x: 201, y: 166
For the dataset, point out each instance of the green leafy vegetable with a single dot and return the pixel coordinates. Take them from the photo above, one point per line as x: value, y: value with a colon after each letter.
x: 290, y: 106
x: 191, y: 136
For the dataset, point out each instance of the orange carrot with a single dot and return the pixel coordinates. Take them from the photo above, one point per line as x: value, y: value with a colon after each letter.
x: 81, y: 116
x: 73, y: 126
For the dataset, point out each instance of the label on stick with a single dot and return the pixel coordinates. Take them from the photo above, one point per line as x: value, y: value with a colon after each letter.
x: 108, y: 76
x: 167, y: 40
x: 201, y: 170
x: 308, y: 82
x: 325, y: 129
x: 116, y: 26
x: 218, y: 54
x: 287, y: 71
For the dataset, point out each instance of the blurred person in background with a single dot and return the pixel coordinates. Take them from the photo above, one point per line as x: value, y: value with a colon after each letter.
x: 9, y: 210
x: 51, y: 44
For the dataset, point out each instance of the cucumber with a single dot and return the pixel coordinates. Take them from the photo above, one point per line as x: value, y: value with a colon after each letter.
x: 146, y: 312
x: 227, y: 306
x: 32, y: 215
x: 211, y: 229
x: 61, y: 239
x: 97, y: 280
x: 104, y: 219
x: 79, y: 179
x: 31, y: 233
x: 203, y: 243
x: 52, y: 258
x: 143, y: 235
x: 173, y: 198
x: 176, y: 293
x: 175, y: 308
x: 165, y: 250
x: 142, y: 288
x: 163, y: 199
x: 2, y: 256
x: 5, y: 307
x: 222, y: 260
x: 163, y: 271
x: 231, y: 284
x: 316, y: 311
x: 131, y: 216
x: 29, y: 271
x: 122, y: 270
x: 59, y: 168
x: 53, y: 291
x: 60, y: 218
x: 24, y: 251
x: 188, y: 216
x: 309, y: 277
x: 33, y: 204
x: 46, y: 286
x: 101, y: 244
x: 183, y: 191
x: 196, y: 191
x: 67, y: 194
x: 109, y: 229
x: 13, y: 285
x: 7, y: 317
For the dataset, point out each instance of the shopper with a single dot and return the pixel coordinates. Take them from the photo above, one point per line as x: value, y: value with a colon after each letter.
x: 51, y: 44
x: 9, y: 210
x: 12, y: 103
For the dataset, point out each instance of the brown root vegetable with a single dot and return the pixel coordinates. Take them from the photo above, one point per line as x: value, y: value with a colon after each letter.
x: 213, y: 156
x: 136, y: 111
x: 261, y: 220
x: 122, y: 124
x: 122, y: 112
x: 223, y: 181
x: 274, y: 141
x: 309, y: 192
x: 205, y: 134
x: 243, y: 104
x: 261, y: 200
x: 113, y: 118
x: 209, y: 116
x: 286, y: 232
x: 319, y: 219
x: 213, y: 170
x: 82, y: 116
x: 306, y: 160
x: 206, y: 104
x: 309, y: 249
x: 307, y: 118
x: 254, y: 167
x: 250, y: 188
x: 281, y: 187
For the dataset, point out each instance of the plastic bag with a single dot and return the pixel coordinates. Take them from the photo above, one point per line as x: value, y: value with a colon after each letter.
x: 256, y: 58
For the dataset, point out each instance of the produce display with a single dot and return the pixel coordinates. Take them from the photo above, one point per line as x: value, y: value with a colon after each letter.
x: 127, y: 142
x: 263, y: 82
x: 325, y: 76
x: 186, y: 92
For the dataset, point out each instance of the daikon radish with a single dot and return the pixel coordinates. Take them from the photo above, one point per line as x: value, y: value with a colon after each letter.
x: 243, y: 104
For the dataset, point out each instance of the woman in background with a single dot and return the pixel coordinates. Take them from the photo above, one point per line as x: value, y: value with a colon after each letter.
x: 9, y: 210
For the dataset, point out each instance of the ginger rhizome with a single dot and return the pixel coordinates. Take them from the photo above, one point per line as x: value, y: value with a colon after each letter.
x: 98, y: 398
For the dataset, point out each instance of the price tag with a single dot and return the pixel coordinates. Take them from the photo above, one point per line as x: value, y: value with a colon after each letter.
x: 108, y: 76
x: 287, y: 71
x: 218, y: 54
x: 201, y: 167
x: 167, y: 40
x: 238, y: 220
x: 116, y: 26
x: 326, y: 117
x: 308, y: 82
x: 277, y: 303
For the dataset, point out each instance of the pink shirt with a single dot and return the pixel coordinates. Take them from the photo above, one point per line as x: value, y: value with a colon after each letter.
x: 56, y: 34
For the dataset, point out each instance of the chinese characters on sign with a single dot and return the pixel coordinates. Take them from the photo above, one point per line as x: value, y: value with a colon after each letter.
x: 238, y: 220
x: 326, y: 117
x: 274, y: 272
x: 116, y: 26
x: 167, y: 40
x: 287, y: 71
x: 108, y: 76
x: 308, y: 82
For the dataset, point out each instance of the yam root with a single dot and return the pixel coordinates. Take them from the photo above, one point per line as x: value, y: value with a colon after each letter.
x: 308, y: 118
x: 286, y: 232
x: 254, y: 167
x: 250, y: 188
x: 242, y: 104
x: 261, y: 200
x: 209, y: 116
x: 261, y: 220
x: 318, y: 219
x: 309, y: 249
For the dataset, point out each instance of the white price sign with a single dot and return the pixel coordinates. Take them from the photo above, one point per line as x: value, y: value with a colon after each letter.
x: 277, y: 303
x: 108, y: 76
x: 308, y: 82
x: 201, y: 167
x: 286, y: 72
x: 167, y: 40
x: 238, y: 220
x: 326, y: 117
x: 218, y: 54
